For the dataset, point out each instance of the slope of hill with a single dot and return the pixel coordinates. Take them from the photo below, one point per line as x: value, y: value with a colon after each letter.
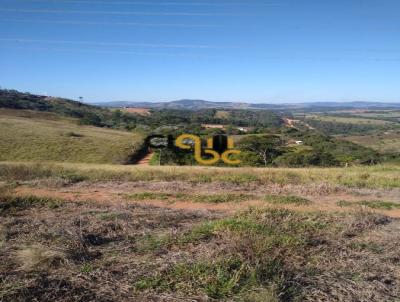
x: 87, y: 114
x: 42, y: 136
x: 386, y: 142
x: 18, y: 100
x: 181, y: 112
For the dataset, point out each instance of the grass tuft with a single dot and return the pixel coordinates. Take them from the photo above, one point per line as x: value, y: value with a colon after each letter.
x: 201, y: 198
x: 222, y: 198
x: 149, y: 196
x: 217, y: 279
x: 289, y: 199
x: 373, y: 204
x: 13, y: 203
x: 255, y: 243
x: 39, y: 258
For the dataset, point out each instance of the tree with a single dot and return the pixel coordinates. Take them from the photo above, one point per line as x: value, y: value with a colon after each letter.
x: 265, y: 147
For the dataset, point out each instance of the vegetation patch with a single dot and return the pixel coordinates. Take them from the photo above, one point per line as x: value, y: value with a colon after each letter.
x: 222, y: 198
x: 149, y: 196
x: 373, y: 204
x: 153, y: 242
x: 39, y: 257
x: 368, y: 246
x: 289, y: 199
x: 74, y: 134
x: 253, y: 255
x: 237, y: 178
x: 201, y: 198
x: 217, y: 279
x: 14, y: 203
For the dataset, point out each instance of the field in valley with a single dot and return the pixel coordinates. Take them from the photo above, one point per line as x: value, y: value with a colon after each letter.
x: 359, y: 120
x: 84, y: 232
x: 386, y: 142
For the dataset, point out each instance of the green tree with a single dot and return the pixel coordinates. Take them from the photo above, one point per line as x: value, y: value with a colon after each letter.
x: 265, y: 147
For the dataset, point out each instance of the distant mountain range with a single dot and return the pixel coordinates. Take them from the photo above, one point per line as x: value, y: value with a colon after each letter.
x: 201, y: 104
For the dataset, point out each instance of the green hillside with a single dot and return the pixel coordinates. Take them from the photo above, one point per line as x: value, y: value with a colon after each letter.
x: 86, y: 114
x: 43, y: 136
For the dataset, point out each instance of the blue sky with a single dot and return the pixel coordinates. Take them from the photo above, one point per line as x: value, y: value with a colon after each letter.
x: 220, y: 50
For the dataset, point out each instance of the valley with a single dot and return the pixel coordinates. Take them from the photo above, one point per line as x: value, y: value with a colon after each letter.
x: 88, y: 213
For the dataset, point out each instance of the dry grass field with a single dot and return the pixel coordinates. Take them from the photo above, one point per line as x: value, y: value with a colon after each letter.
x: 350, y: 120
x: 33, y: 136
x: 141, y: 111
x: 387, y: 142
x: 81, y: 232
x: 378, y: 176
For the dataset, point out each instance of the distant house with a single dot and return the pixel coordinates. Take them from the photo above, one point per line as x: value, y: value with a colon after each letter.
x: 213, y: 126
x: 243, y: 129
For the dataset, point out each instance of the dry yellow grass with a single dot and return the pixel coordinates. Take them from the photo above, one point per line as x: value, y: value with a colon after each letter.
x: 38, y: 257
x: 32, y: 136
x: 387, y: 142
x: 380, y: 176
x: 350, y: 120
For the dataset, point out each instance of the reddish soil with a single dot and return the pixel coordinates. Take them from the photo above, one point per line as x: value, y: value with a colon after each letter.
x: 115, y: 195
x: 141, y: 111
x: 145, y: 160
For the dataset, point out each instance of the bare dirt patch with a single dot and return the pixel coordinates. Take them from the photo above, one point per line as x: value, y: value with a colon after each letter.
x: 141, y: 111
x: 116, y: 193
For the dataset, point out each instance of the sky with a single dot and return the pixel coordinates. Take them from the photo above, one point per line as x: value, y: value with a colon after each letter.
x: 260, y: 51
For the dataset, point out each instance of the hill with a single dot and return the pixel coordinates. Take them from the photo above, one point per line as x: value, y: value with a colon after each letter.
x: 180, y: 104
x: 42, y: 136
x: 87, y: 114
x: 183, y: 114
x: 202, y: 104
x: 55, y: 126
